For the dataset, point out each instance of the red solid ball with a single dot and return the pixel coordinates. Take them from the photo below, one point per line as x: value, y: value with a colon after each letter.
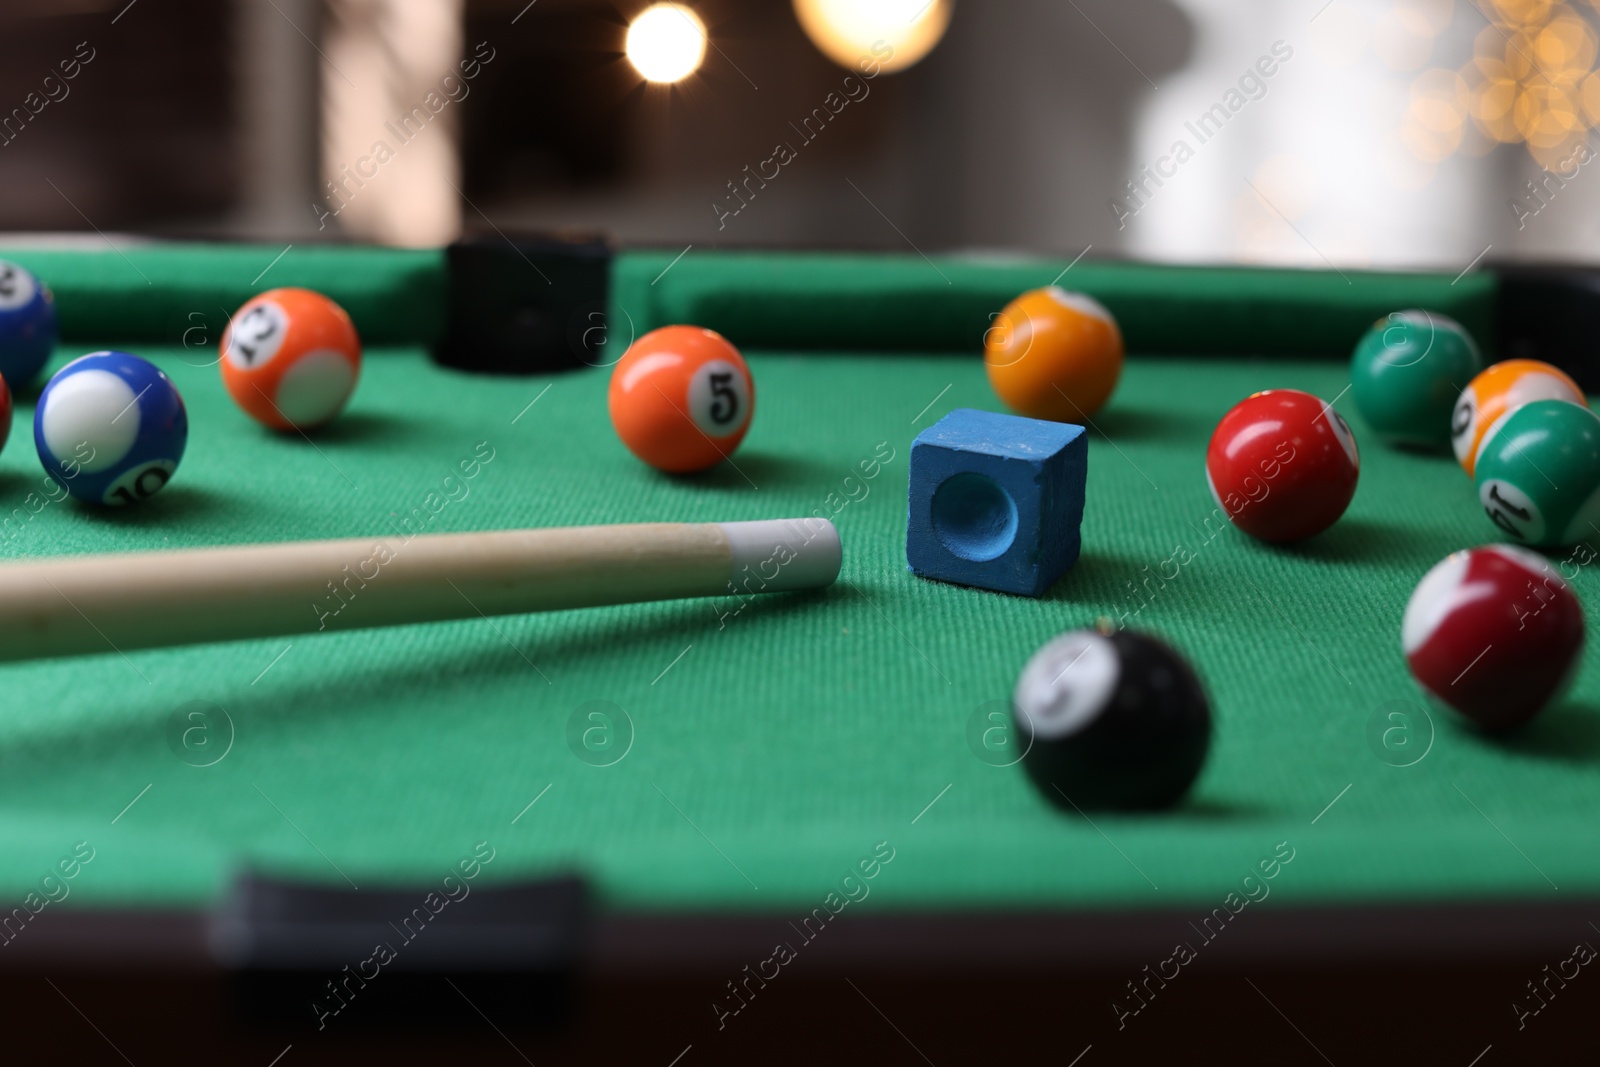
x: 1494, y: 633
x: 1283, y: 465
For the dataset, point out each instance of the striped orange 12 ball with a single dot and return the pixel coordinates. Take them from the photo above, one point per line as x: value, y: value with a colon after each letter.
x: 290, y: 359
x: 1054, y: 355
x: 681, y: 399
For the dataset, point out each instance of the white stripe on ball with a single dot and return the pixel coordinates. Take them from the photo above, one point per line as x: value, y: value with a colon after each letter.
x: 93, y: 407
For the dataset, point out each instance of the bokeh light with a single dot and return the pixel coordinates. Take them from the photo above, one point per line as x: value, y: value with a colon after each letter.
x: 1437, y: 116
x: 1437, y: 14
x: 1531, y: 81
x: 666, y: 43
x: 849, y: 31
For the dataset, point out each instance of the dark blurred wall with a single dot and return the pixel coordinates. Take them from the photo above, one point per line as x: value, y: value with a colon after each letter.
x: 202, y: 117
x: 1013, y: 132
x: 1026, y: 125
x: 141, y: 136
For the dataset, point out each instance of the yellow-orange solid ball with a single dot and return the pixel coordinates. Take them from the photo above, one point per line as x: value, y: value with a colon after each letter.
x: 1054, y: 355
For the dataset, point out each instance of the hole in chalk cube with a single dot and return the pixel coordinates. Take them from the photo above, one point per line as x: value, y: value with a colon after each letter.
x: 973, y: 517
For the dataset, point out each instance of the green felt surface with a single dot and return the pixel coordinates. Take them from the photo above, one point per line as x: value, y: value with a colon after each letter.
x: 773, y: 749
x: 914, y: 304
x: 182, y: 294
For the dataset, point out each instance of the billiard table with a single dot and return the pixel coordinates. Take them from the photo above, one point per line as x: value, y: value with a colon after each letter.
x: 676, y: 788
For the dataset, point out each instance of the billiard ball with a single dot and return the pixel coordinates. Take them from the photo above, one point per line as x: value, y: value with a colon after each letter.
x: 1407, y: 373
x: 1283, y: 465
x: 1054, y: 355
x: 27, y: 325
x: 290, y: 359
x: 1538, y: 473
x: 110, y: 428
x: 1493, y: 633
x: 1499, y: 391
x: 5, y: 412
x: 1111, y: 719
x: 681, y: 399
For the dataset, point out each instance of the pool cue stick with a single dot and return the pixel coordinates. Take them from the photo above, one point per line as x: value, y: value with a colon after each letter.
x: 75, y: 605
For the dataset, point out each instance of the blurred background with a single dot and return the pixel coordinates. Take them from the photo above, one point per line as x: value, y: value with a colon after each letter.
x: 1425, y: 133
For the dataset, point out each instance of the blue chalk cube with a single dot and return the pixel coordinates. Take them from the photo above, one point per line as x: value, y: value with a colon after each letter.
x: 996, y: 501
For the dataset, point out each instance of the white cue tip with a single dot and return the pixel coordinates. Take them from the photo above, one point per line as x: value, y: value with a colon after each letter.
x: 784, y: 554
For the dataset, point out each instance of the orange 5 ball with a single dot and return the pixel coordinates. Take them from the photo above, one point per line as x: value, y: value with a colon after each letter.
x: 681, y: 399
x: 290, y: 359
x: 1054, y: 355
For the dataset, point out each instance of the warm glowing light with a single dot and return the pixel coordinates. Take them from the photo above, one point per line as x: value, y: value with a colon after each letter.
x: 1568, y: 43
x: 1523, y: 12
x: 1436, y: 13
x: 666, y: 43
x: 891, y: 33
x: 1531, y: 81
x: 1545, y: 115
x: 1435, y: 123
x: 1590, y: 95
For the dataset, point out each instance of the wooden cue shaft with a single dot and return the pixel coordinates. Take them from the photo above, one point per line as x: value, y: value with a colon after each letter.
x: 86, y: 604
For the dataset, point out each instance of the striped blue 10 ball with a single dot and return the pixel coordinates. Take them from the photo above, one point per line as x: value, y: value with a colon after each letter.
x: 110, y: 428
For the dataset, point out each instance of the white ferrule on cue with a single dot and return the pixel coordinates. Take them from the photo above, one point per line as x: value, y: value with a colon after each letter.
x: 75, y: 605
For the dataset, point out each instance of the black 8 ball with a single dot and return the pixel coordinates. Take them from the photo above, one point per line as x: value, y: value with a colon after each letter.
x: 1111, y: 720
